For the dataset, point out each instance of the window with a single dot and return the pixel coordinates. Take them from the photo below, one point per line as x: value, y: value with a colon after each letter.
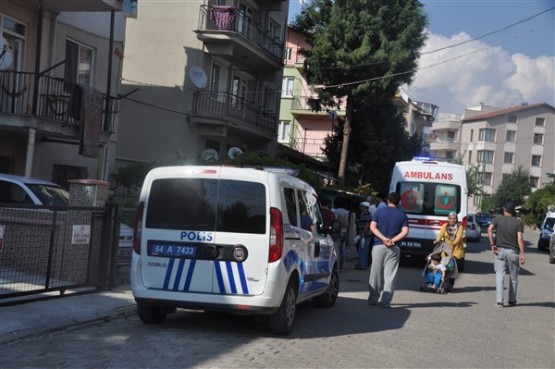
x: 238, y: 92
x: 538, y: 139
x: 269, y: 99
x: 14, y: 33
x: 469, y: 157
x: 477, y: 201
x: 288, y: 53
x: 311, y: 214
x: 485, y: 156
x: 508, y: 158
x: 78, y: 65
x: 221, y: 206
x: 284, y: 131
x: 290, y: 203
x: 485, y: 178
x: 534, y: 182
x: 510, y: 137
x: 536, y: 160
x: 512, y: 118
x: 429, y: 198
x: 451, y: 135
x: 487, y: 134
x: 287, y: 87
x: 540, y: 122
x: 215, y: 80
x: 471, y: 135
x: 275, y: 29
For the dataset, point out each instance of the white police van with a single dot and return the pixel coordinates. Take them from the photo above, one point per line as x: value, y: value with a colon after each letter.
x: 429, y: 190
x: 240, y: 240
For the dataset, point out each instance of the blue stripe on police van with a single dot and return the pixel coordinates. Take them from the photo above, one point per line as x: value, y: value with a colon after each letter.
x: 243, y: 279
x: 178, y: 275
x: 230, y: 277
x: 219, y: 277
x: 189, y: 275
x: 168, y: 274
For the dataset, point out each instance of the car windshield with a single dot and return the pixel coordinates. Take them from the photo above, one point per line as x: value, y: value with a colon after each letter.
x: 50, y: 194
x: 549, y: 223
x: 485, y: 217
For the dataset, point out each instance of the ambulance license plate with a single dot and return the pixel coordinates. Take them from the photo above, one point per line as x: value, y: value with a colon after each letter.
x: 172, y: 251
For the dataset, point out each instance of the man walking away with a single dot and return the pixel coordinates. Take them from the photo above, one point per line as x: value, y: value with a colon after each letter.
x: 508, y: 249
x: 389, y: 226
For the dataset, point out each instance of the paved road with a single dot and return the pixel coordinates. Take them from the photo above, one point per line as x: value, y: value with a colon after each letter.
x: 462, y: 329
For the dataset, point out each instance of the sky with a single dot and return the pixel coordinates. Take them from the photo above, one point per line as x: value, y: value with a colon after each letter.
x: 512, y: 61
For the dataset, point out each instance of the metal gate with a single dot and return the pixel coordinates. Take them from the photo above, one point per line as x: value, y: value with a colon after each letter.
x: 49, y: 249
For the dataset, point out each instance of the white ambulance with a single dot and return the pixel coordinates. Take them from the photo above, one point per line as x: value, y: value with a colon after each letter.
x: 429, y: 190
x: 240, y: 240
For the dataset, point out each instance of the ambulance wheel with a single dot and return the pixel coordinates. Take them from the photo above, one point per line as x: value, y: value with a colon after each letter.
x: 327, y: 299
x: 281, y: 322
x: 151, y: 314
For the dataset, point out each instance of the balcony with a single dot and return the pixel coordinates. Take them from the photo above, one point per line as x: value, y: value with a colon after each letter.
x: 232, y: 35
x: 60, y: 105
x: 301, y: 109
x: 77, y: 5
x: 446, y: 125
x: 222, y: 111
x: 444, y: 144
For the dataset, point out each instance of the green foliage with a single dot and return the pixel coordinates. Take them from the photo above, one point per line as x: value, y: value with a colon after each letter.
x: 362, y: 51
x: 488, y: 204
x: 131, y: 176
x: 474, y: 181
x: 539, y: 202
x: 514, y: 187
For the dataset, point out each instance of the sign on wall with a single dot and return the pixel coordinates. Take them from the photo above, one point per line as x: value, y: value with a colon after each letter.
x: 81, y: 234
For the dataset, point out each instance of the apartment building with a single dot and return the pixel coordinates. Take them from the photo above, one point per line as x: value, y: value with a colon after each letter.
x: 444, y: 138
x: 201, y: 80
x: 300, y: 127
x: 58, y: 75
x: 500, y: 140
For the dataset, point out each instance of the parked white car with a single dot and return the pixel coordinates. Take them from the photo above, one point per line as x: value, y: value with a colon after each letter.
x: 473, y: 229
x: 33, y: 191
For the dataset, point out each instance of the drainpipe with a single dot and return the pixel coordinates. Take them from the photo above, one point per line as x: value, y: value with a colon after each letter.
x: 109, y: 77
x: 30, y: 152
x: 38, y: 56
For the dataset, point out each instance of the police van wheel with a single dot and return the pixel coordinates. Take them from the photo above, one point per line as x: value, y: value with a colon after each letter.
x: 151, y: 314
x: 282, y: 321
x: 327, y: 299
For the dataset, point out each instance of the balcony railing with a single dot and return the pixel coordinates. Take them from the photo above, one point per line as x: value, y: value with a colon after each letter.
x: 300, y: 103
x: 224, y: 105
x: 58, y: 100
x: 228, y: 19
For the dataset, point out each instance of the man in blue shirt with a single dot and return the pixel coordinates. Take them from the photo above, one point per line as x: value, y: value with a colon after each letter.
x: 389, y: 226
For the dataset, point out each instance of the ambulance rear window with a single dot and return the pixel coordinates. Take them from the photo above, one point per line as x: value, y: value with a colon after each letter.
x: 207, y: 205
x: 429, y: 198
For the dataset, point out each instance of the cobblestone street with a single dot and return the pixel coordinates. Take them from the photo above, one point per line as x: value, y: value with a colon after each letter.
x: 463, y: 329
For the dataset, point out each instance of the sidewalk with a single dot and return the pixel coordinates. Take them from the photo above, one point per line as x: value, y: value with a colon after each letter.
x: 56, y: 314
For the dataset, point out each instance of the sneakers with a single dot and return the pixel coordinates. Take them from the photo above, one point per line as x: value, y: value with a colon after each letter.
x: 499, y: 304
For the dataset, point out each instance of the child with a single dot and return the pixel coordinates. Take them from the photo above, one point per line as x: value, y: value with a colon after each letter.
x: 436, y: 271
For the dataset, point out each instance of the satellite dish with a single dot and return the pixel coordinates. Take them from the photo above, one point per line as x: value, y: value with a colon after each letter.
x: 198, y: 77
x: 6, y: 54
x: 209, y: 155
x: 234, y: 151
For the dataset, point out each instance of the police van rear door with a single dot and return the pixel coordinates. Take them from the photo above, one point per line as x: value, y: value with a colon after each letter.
x: 205, y: 233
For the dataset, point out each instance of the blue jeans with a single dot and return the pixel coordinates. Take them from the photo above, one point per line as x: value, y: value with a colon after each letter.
x: 434, y: 277
x: 506, y: 259
x: 363, y: 249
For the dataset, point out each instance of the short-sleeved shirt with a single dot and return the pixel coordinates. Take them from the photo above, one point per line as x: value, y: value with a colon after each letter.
x: 365, y: 218
x: 506, y: 231
x: 390, y: 221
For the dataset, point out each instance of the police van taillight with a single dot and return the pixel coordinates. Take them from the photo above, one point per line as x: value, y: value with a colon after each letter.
x: 138, y: 228
x: 276, y: 235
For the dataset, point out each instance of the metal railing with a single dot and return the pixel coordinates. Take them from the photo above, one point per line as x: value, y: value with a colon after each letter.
x: 224, y: 105
x: 229, y: 19
x: 58, y: 100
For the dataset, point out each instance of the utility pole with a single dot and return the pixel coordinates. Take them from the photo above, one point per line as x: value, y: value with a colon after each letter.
x: 344, y: 146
